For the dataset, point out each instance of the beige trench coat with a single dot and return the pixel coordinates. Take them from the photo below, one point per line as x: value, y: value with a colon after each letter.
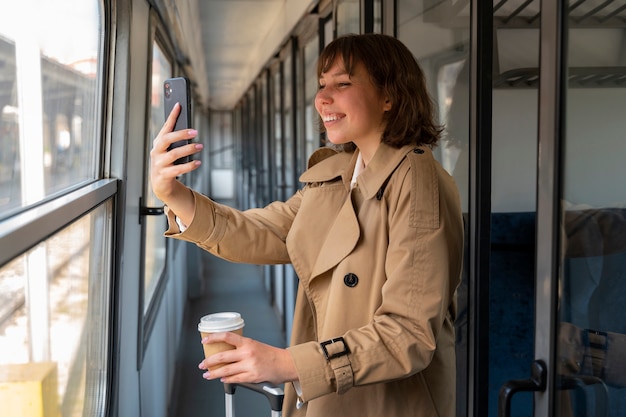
x: 378, y: 269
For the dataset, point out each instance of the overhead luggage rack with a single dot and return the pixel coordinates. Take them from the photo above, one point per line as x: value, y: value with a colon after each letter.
x: 609, y: 15
x: 583, y: 13
x: 578, y: 77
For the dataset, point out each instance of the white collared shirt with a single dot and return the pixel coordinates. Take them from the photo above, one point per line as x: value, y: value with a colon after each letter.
x: 358, y: 168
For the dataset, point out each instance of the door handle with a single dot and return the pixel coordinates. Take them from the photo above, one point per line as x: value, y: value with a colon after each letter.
x: 536, y: 382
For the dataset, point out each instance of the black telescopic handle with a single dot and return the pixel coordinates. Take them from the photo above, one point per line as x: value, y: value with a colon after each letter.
x: 273, y: 393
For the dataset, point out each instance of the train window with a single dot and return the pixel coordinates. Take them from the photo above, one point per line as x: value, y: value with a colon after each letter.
x: 48, y: 99
x: 54, y: 321
x: 327, y: 30
x: 378, y: 16
x: 311, y: 125
x: 153, y: 239
x: 55, y: 283
x: 288, y: 120
x: 278, y: 149
x: 248, y: 143
x: 446, y: 66
x: 347, y: 20
x: 266, y: 166
x: 221, y: 140
x: 222, y: 161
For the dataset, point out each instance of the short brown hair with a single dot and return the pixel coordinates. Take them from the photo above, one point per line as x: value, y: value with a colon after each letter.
x: 393, y: 69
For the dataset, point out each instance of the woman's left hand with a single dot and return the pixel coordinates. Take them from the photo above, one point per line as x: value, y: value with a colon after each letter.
x: 250, y: 362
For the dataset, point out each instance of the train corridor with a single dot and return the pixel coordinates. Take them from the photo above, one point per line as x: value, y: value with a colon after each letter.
x: 225, y: 287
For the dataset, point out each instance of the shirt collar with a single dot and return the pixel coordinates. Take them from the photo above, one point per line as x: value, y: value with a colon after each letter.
x: 358, y: 168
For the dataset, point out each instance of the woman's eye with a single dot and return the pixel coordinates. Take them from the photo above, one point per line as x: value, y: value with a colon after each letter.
x: 336, y: 85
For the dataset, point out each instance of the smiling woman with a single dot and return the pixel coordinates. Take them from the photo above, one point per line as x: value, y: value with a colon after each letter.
x: 354, y: 234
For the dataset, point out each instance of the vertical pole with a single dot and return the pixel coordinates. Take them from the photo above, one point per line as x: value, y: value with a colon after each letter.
x: 481, y: 86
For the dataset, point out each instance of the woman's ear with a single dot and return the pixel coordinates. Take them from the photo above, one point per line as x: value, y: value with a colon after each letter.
x: 387, y: 106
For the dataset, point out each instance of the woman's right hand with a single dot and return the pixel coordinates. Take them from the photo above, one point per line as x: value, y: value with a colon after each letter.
x: 163, y: 171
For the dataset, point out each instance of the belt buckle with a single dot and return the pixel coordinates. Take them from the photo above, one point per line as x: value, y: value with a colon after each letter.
x: 329, y: 356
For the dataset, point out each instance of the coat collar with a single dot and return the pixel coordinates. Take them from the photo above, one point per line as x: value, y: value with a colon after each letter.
x: 385, y: 161
x: 327, y: 164
x: 341, y: 164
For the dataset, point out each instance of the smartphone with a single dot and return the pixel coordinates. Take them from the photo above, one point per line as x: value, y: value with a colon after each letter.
x: 177, y: 90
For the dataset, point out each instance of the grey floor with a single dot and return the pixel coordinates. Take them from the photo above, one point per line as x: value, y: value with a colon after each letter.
x: 225, y: 287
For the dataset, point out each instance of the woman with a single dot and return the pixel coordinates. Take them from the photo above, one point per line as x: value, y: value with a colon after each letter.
x: 375, y: 236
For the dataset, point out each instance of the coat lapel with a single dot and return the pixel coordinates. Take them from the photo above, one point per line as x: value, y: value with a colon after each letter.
x: 341, y: 239
x: 344, y: 232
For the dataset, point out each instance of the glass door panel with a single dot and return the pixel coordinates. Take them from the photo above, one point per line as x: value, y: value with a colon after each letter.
x: 515, y: 109
x: 154, y: 246
x: 591, y: 343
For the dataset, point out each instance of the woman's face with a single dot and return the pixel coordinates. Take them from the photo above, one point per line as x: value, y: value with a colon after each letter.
x: 351, y: 107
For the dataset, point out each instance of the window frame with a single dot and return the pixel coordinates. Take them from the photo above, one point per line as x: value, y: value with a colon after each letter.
x: 28, y: 228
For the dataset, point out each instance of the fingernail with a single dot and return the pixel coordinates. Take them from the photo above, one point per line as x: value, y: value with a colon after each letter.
x: 199, y: 146
x: 206, y: 375
x: 192, y: 132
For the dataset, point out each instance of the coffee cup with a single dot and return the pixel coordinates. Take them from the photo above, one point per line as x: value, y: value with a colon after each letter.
x: 216, y: 323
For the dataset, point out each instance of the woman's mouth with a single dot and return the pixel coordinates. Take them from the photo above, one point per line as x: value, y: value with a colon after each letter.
x: 332, y: 117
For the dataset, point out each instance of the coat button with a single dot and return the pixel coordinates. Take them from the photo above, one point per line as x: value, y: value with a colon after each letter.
x: 351, y: 280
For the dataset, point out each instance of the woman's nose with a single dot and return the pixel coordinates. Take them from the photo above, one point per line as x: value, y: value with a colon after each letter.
x: 323, y: 97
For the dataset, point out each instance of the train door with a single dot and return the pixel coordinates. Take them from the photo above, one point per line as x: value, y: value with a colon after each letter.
x: 507, y: 286
x: 529, y: 92
x: 577, y: 366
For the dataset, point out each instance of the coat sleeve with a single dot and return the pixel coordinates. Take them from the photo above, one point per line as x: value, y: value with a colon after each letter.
x: 422, y: 267
x: 255, y: 236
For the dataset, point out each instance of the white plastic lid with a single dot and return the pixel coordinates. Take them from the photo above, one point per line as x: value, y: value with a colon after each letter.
x: 220, y: 322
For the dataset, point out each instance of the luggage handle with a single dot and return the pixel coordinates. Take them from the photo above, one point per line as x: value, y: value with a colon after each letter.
x: 273, y: 393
